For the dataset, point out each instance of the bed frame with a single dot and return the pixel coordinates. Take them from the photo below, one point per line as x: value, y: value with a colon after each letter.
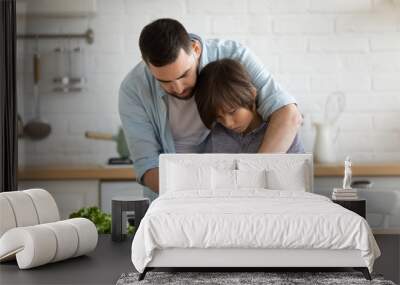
x: 260, y: 259
x: 245, y: 259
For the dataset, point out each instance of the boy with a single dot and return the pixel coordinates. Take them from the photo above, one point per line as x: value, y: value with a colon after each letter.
x: 226, y: 100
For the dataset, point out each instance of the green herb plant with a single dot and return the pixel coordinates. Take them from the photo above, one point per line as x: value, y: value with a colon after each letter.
x: 100, y: 219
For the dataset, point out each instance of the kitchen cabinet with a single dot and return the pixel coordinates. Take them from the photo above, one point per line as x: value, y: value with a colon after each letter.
x: 383, y: 215
x: 73, y: 187
x: 70, y: 195
x: 383, y: 199
x: 388, y: 263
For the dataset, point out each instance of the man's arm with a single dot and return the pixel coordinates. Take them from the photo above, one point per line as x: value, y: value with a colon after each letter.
x: 151, y: 178
x: 282, y: 128
x: 140, y: 136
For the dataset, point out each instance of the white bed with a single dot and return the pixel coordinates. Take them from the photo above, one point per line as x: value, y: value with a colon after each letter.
x: 247, y: 210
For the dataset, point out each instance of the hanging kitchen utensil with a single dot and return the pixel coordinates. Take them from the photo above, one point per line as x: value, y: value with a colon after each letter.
x: 70, y: 70
x: 62, y: 76
x: 77, y: 67
x: 122, y: 147
x: 36, y: 128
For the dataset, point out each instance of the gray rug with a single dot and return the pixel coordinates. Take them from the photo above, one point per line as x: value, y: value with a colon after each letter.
x: 230, y: 278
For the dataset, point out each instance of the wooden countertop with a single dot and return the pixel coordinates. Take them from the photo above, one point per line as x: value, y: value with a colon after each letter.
x: 99, y: 172
x: 90, y: 172
x: 387, y: 231
x: 372, y: 169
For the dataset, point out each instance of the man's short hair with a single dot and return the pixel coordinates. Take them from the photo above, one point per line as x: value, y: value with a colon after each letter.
x: 222, y: 85
x: 161, y: 41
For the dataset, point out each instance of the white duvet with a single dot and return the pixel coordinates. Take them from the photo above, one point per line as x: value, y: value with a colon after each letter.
x: 253, y: 218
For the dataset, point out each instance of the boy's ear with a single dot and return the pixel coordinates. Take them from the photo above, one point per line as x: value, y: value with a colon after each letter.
x: 254, y: 91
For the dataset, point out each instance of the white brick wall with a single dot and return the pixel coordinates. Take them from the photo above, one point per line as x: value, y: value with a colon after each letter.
x: 304, y: 24
x: 312, y: 47
x: 340, y: 6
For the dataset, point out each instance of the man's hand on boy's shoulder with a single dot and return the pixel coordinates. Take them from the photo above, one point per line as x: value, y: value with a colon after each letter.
x: 282, y: 128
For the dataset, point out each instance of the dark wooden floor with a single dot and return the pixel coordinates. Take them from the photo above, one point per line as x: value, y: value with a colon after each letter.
x: 102, y: 266
x: 111, y: 259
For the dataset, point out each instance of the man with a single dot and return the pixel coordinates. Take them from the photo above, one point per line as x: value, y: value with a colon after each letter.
x: 157, y: 106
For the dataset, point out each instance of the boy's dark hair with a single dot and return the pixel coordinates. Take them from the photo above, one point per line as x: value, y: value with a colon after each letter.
x: 222, y: 85
x: 161, y: 41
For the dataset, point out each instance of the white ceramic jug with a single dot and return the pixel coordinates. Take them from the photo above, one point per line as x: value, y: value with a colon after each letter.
x: 324, y: 147
x: 325, y: 140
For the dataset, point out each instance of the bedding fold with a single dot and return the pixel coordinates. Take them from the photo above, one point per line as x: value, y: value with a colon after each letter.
x: 250, y: 218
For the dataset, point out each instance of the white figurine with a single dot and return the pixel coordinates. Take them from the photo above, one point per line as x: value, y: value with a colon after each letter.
x: 347, y: 173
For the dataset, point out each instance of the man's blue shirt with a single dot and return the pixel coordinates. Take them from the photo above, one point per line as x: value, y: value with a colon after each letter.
x: 143, y: 104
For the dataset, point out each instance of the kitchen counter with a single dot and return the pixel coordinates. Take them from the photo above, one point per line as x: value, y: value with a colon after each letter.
x: 99, y: 172
x: 370, y: 169
x: 89, y: 172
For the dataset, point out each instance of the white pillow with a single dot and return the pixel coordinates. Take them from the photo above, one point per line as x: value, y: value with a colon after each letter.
x: 293, y: 180
x: 188, y: 177
x: 227, y: 179
x: 251, y: 178
x: 281, y: 174
x: 223, y: 179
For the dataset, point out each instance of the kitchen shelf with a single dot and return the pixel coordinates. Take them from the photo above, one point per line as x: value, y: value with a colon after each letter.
x: 91, y: 172
x: 88, y: 35
x: 371, y: 169
x: 103, y: 172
